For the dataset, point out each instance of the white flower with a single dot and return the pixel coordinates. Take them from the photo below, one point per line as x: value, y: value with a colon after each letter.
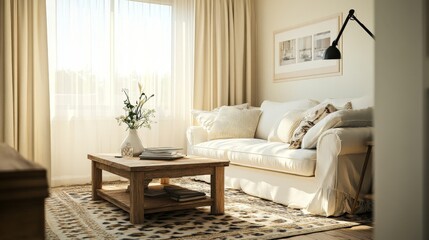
x: 135, y: 115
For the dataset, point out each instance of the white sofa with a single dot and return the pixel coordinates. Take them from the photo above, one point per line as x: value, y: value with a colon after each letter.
x: 321, y: 180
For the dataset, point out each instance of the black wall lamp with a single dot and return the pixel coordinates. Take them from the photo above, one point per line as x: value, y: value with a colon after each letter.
x: 332, y: 52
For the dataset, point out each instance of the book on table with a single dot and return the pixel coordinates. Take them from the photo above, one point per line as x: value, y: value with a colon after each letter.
x: 183, y: 194
x: 162, y: 153
x: 184, y: 199
x: 154, y: 192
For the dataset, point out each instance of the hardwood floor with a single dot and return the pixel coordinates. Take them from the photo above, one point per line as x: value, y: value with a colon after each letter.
x: 362, y: 232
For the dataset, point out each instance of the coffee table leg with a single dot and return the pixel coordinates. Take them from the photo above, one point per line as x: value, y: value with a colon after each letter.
x: 96, y: 176
x: 137, y: 197
x: 217, y: 190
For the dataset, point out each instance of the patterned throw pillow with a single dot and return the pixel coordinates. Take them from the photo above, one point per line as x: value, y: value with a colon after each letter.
x: 309, y: 121
x: 340, y: 118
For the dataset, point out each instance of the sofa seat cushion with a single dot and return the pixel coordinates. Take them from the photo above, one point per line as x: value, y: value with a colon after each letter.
x: 259, y: 153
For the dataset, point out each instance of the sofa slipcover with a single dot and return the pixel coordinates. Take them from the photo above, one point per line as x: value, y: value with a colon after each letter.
x: 321, y: 180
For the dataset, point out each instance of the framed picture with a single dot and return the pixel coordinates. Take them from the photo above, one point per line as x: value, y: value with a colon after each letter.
x: 298, y: 51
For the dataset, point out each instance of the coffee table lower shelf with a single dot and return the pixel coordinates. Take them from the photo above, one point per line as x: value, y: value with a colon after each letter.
x: 121, y: 198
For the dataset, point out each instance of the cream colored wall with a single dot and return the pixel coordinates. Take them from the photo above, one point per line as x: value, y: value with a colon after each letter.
x: 358, y: 49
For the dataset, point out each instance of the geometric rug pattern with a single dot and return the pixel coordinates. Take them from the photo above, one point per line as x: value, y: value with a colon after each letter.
x: 72, y: 214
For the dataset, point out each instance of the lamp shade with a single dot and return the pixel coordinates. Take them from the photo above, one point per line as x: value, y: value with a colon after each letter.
x: 332, y: 52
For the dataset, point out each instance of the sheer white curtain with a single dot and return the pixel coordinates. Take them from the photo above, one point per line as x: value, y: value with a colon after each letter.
x: 99, y: 47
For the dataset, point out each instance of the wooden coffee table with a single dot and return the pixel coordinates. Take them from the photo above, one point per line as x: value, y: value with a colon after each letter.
x: 137, y: 171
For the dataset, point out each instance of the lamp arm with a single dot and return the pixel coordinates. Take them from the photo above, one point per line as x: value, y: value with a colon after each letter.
x: 352, y: 17
x: 351, y: 12
x: 363, y: 26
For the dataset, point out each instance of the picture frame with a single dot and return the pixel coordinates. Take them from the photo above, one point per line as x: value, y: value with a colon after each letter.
x: 298, y: 51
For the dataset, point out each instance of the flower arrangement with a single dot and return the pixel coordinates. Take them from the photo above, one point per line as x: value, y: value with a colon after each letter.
x: 135, y: 115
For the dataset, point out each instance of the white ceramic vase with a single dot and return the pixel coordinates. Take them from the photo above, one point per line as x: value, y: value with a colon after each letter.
x: 133, y: 141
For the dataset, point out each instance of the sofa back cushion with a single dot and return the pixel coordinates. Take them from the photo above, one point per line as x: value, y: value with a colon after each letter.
x: 272, y: 113
x: 357, y: 103
x: 362, y: 102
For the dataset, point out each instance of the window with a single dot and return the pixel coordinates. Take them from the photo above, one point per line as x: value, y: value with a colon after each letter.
x: 97, y: 48
x: 103, y: 46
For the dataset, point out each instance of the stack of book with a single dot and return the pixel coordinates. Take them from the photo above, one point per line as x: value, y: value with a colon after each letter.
x: 183, y: 194
x: 162, y: 153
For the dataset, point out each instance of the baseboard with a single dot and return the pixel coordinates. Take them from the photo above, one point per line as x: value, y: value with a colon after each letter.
x: 77, y: 180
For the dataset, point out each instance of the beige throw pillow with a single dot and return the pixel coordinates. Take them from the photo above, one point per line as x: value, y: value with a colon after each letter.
x: 234, y: 123
x: 309, y: 121
x: 207, y: 118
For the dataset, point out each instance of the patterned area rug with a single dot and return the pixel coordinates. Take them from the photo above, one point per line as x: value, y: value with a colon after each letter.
x: 71, y: 214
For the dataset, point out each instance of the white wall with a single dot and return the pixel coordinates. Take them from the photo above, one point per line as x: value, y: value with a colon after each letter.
x: 399, y: 120
x: 358, y: 49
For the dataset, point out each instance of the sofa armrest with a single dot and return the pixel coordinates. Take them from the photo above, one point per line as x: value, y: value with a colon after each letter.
x: 340, y: 157
x: 195, y: 135
x: 337, y: 142
x: 347, y: 140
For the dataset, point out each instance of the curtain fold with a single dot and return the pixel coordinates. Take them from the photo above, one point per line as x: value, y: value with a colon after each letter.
x: 24, y: 85
x: 224, y: 46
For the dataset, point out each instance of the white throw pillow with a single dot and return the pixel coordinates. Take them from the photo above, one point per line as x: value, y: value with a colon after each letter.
x: 342, y: 118
x: 273, y: 137
x: 239, y: 106
x: 234, y: 123
x: 286, y: 126
x: 207, y: 118
x: 272, y: 113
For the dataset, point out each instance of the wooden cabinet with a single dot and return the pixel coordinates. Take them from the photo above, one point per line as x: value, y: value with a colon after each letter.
x: 23, y: 189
